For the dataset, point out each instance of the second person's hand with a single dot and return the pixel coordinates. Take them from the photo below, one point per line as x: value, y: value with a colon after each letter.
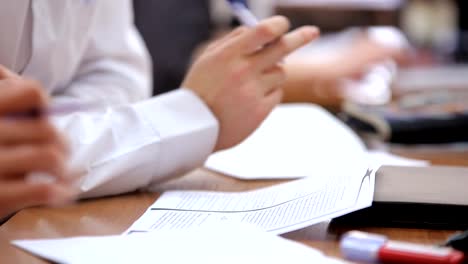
x: 239, y: 77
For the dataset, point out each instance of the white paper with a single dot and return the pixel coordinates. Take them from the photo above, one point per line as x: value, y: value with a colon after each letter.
x: 380, y: 158
x: 295, y: 141
x: 278, y: 209
x: 208, y: 246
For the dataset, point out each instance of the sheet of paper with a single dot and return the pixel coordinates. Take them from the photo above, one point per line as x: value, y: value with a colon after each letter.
x: 380, y: 158
x: 296, y: 141
x: 209, y: 246
x: 278, y: 209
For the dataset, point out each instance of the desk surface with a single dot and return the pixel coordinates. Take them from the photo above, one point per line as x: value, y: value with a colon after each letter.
x: 110, y: 216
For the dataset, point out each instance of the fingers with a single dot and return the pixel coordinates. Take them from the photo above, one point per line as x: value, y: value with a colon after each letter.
x: 17, y: 95
x: 287, y: 44
x: 266, y: 43
x: 230, y: 36
x: 266, y: 32
x: 5, y: 73
x: 21, y: 160
x: 28, y: 145
x: 62, y: 144
x: 25, y: 131
x: 276, y: 76
x: 17, y: 195
x: 272, y: 79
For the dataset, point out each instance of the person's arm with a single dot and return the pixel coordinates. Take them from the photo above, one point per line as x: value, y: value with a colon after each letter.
x: 310, y: 79
x: 127, y: 146
x: 128, y: 143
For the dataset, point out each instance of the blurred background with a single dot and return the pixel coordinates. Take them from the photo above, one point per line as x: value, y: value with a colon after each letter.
x: 436, y: 29
x: 436, y: 32
x: 427, y: 77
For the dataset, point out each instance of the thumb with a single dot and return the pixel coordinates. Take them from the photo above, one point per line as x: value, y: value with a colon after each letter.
x: 5, y: 73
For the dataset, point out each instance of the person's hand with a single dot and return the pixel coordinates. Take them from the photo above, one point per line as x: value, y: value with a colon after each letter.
x: 28, y: 145
x: 320, y: 80
x: 239, y: 76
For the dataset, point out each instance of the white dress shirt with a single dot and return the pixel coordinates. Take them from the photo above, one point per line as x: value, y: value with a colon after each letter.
x: 89, y: 51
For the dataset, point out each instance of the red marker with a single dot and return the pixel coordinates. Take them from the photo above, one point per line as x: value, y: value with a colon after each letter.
x: 370, y: 248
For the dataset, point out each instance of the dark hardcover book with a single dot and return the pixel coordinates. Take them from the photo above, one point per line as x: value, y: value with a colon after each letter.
x: 419, y: 118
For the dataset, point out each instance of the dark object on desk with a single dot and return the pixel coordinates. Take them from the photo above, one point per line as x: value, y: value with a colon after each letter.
x: 408, y: 215
x: 420, y: 197
x: 458, y: 241
x: 434, y: 117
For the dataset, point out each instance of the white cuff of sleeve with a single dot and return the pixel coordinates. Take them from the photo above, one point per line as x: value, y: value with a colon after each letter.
x: 187, y: 128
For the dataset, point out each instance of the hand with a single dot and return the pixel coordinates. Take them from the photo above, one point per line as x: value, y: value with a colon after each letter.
x: 239, y: 77
x: 320, y: 80
x: 28, y: 145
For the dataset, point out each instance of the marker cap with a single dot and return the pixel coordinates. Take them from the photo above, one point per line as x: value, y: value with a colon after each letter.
x: 361, y: 247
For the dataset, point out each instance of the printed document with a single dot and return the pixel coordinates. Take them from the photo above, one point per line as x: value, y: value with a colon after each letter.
x: 278, y: 209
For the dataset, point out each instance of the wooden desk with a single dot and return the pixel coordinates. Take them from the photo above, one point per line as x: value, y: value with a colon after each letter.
x: 110, y: 216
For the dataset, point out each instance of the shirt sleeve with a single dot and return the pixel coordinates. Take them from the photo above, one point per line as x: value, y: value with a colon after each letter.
x: 129, y: 143
x: 115, y: 67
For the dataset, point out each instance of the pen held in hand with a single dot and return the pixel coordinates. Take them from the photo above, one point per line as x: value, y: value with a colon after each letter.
x: 53, y: 110
x: 245, y: 16
x: 240, y: 10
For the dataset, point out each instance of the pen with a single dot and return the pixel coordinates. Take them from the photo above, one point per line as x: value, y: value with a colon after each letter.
x: 372, y: 248
x: 242, y: 12
x: 53, y: 110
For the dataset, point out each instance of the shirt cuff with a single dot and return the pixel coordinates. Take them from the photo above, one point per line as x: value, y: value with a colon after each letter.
x: 187, y: 129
